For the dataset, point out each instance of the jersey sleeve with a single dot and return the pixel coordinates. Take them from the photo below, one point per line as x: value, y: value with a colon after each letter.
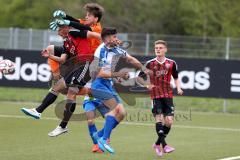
x: 99, y: 55
x: 175, y: 70
x: 79, y: 26
x: 80, y: 34
x: 97, y: 52
x: 68, y: 17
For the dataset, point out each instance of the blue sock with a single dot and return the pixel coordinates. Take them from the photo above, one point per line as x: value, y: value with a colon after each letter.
x: 110, y: 123
x: 100, y: 133
x: 92, y: 128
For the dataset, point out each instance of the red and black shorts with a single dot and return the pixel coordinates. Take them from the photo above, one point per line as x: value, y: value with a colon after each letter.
x: 163, y: 106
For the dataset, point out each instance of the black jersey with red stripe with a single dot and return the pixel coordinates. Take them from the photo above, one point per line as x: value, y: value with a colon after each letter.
x: 161, y: 77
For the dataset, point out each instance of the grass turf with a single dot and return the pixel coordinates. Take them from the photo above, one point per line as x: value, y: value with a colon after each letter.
x: 195, y: 135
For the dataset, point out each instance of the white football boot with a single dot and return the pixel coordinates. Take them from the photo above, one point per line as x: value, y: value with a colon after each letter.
x: 58, y: 131
x: 32, y: 113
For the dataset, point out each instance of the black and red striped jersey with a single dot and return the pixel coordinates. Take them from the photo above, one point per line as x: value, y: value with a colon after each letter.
x: 80, y: 47
x: 161, y: 77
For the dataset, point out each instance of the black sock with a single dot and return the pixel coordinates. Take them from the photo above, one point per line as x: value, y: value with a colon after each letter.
x: 159, y: 130
x: 69, y: 109
x: 47, y: 101
x: 158, y: 141
x: 165, y: 131
x: 163, y: 142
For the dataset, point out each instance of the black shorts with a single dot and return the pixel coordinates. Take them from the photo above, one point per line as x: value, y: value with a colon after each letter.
x: 163, y: 106
x: 78, y: 77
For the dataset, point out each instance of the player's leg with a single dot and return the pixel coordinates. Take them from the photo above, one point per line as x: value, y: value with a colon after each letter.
x: 53, y: 93
x: 77, y: 79
x: 158, y: 114
x: 51, y: 96
x: 103, y: 110
x: 89, y: 108
x: 168, y: 121
x: 47, y: 101
x: 112, y: 119
x: 68, y: 111
x: 101, y: 89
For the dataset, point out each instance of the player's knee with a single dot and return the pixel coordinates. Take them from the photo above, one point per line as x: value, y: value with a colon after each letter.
x: 159, y: 118
x: 120, y: 111
x: 60, y: 85
x: 90, y: 121
x: 71, y: 95
x: 169, y: 121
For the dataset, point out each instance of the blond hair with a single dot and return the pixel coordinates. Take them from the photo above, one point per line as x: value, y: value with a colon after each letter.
x: 161, y: 42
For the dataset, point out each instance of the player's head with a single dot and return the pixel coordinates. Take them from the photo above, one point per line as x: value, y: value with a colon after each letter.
x: 94, y: 13
x: 160, y: 48
x: 109, y: 36
x: 63, y: 31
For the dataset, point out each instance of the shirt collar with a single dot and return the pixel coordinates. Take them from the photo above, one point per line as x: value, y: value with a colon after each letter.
x: 162, y: 61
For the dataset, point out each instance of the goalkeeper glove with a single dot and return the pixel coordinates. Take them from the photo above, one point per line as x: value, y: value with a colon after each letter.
x: 61, y: 22
x: 54, y: 26
x: 59, y: 13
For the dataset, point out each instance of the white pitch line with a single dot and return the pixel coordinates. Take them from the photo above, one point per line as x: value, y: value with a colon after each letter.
x: 134, y: 123
x: 25, y: 117
x: 231, y: 158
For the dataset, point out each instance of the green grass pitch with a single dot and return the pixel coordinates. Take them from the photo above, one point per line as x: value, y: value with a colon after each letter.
x: 195, y: 135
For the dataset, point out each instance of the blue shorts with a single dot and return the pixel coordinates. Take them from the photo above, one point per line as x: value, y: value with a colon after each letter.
x: 102, y: 89
x: 92, y: 105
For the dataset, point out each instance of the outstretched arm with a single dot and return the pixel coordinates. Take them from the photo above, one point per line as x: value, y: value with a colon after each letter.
x: 70, y: 18
x: 134, y: 62
x: 45, y: 53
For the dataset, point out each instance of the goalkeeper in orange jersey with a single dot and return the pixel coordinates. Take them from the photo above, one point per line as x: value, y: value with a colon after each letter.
x: 94, y: 14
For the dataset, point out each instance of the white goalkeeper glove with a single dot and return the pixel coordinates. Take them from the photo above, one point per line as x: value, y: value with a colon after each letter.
x: 62, y: 22
x: 54, y: 26
x: 59, y: 13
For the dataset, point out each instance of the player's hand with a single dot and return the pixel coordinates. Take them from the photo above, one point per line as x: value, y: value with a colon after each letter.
x: 124, y: 75
x: 61, y: 22
x: 150, y: 86
x: 59, y: 13
x: 148, y: 71
x: 54, y: 26
x: 118, y: 42
x: 179, y: 91
x: 45, y: 53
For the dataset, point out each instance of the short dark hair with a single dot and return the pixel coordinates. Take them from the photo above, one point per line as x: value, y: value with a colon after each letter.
x: 107, y: 31
x: 94, y: 9
x: 161, y: 42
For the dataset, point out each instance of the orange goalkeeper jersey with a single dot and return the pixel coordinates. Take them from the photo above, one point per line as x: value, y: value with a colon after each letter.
x: 54, y: 65
x: 94, y: 42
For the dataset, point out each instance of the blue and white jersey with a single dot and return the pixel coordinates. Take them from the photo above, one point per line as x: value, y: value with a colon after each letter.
x: 108, y: 57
